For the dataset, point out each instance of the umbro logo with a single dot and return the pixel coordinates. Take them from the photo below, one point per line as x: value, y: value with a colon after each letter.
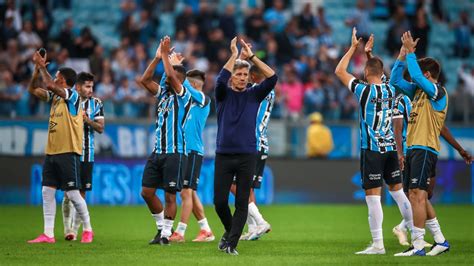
x: 172, y: 184
x: 52, y: 124
x: 71, y: 184
x: 264, y: 157
x: 414, y: 180
x: 88, y: 185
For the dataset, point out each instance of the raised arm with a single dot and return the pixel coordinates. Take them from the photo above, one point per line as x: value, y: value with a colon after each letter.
x: 175, y: 83
x: 146, y: 80
x: 417, y: 76
x: 175, y: 59
x: 414, y: 69
x: 396, y: 77
x: 266, y: 70
x: 341, y: 68
x: 224, y: 76
x: 33, y: 88
x: 446, y: 134
x: 369, y: 46
x: 229, y: 65
x: 48, y: 81
x: 267, y: 85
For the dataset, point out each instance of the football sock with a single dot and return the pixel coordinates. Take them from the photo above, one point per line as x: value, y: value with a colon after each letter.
x: 68, y: 209
x: 404, y: 206
x: 81, y: 208
x: 204, y: 225
x: 76, y: 223
x: 253, y: 211
x: 159, y: 219
x: 181, y: 229
x: 49, y: 210
x: 375, y: 219
x: 417, y: 237
x: 167, y: 226
x: 435, y: 229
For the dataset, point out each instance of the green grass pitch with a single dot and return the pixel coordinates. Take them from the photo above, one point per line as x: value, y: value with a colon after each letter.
x: 302, y: 234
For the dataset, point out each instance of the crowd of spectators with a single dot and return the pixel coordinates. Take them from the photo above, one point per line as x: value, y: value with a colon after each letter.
x: 300, y: 46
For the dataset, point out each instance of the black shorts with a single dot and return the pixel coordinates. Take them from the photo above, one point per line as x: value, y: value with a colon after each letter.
x: 421, y: 167
x: 375, y: 166
x: 405, y: 179
x: 257, y: 178
x: 193, y: 170
x: 62, y: 171
x: 164, y: 171
x: 86, y: 175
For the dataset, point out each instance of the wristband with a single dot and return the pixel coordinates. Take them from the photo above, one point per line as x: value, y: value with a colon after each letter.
x: 251, y: 57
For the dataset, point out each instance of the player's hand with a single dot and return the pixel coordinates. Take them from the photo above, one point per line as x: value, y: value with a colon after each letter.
x: 85, y: 118
x: 246, y: 50
x: 401, y: 161
x: 466, y: 156
x: 369, y: 45
x: 354, y: 41
x: 39, y: 60
x: 233, y: 47
x: 244, y: 55
x: 166, y: 46
x: 403, y: 54
x: 408, y: 42
x: 158, y: 51
x: 176, y: 58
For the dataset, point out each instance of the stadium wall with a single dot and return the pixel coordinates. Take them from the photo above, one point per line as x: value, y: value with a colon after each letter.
x: 118, y: 181
x: 132, y: 139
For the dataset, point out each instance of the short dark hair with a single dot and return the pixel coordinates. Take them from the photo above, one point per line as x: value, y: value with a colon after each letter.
x: 83, y: 77
x: 181, y: 71
x: 429, y: 64
x: 69, y: 75
x: 196, y: 74
x: 374, y: 66
x: 255, y: 70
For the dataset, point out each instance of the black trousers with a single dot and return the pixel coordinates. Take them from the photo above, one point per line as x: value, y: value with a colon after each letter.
x: 242, y: 166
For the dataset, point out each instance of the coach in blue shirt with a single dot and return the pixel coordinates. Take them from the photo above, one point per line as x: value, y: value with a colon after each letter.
x: 237, y: 108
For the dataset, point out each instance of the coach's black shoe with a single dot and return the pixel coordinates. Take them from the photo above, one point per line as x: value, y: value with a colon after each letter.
x: 223, y: 242
x: 164, y: 241
x: 156, y: 239
x: 231, y: 251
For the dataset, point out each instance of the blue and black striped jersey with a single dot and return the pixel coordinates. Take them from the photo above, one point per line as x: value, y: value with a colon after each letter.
x: 172, y: 113
x: 263, y: 117
x: 402, y: 110
x: 376, y: 103
x: 94, y: 109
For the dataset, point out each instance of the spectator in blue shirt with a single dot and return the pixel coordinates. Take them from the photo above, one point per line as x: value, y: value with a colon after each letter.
x: 275, y: 17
